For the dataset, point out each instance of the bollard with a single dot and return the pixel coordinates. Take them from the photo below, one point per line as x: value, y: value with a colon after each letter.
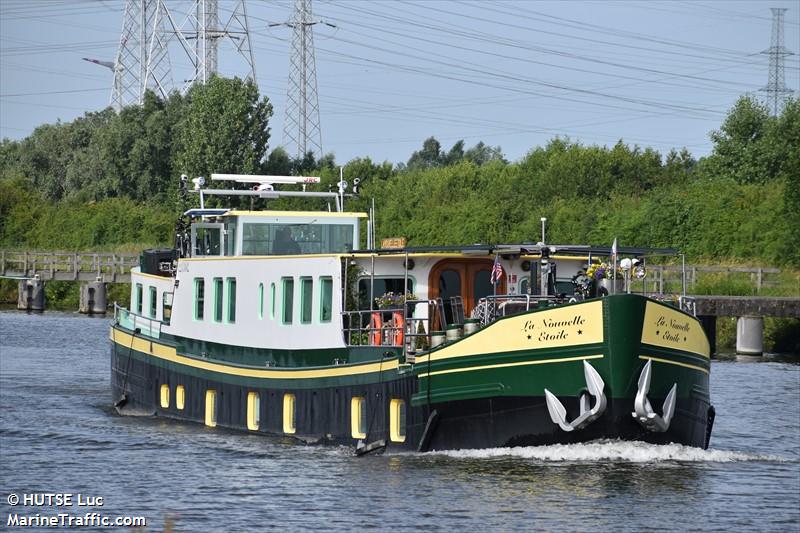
x: 93, y: 297
x: 750, y: 335
x: 31, y: 294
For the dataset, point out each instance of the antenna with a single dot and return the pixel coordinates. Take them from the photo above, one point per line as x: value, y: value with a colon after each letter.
x: 149, y: 27
x: 301, y: 127
x: 776, y: 88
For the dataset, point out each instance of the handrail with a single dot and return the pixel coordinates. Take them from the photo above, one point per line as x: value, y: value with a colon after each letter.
x: 132, y: 321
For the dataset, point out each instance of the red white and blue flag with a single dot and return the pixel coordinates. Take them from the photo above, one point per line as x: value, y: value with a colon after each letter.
x: 497, y: 271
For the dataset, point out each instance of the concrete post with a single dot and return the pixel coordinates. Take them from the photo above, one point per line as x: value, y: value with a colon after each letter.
x: 30, y: 296
x: 750, y: 335
x: 93, y: 297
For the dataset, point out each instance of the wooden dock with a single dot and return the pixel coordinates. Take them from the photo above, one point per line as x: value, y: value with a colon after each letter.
x: 68, y: 266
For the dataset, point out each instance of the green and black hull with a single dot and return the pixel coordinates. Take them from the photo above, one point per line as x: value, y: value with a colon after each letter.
x: 485, y: 390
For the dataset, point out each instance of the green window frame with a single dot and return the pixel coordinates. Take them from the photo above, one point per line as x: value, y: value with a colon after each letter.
x: 260, y: 301
x: 287, y: 310
x: 217, y: 284
x: 272, y: 301
x: 153, y: 301
x: 139, y: 298
x: 306, y: 299
x: 325, y: 299
x: 231, y: 286
x: 199, y: 298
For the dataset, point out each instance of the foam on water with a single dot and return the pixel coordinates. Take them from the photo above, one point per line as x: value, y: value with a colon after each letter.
x: 625, y: 451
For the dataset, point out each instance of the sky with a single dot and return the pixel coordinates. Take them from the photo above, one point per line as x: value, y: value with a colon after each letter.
x: 514, y: 74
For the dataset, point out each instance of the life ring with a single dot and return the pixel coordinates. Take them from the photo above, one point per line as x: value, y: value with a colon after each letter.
x: 399, y: 328
x: 376, y: 329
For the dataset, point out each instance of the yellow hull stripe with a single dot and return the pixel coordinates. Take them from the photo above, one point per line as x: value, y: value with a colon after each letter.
x: 668, y: 362
x: 168, y: 353
x: 505, y: 365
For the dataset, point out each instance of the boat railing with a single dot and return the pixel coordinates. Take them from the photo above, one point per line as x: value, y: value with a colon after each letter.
x: 407, y: 327
x: 490, y: 308
x: 137, y: 323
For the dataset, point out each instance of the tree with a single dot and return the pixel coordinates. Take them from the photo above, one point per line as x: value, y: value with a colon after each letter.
x: 429, y: 157
x: 225, y: 128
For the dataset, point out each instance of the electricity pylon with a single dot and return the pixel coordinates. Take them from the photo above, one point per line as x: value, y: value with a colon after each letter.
x: 301, y: 129
x: 150, y: 27
x: 776, y: 88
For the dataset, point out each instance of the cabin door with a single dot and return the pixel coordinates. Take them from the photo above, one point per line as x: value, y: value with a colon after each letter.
x: 468, y: 278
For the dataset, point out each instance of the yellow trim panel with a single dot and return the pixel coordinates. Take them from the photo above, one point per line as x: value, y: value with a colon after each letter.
x: 168, y: 353
x: 669, y: 328
x: 520, y: 363
x: 561, y: 327
x: 669, y: 362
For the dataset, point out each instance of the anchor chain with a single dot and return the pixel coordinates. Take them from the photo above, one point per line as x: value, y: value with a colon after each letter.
x: 643, y: 411
x: 595, y: 385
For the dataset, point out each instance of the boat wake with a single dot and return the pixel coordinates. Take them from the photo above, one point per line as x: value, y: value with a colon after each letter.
x: 615, y: 451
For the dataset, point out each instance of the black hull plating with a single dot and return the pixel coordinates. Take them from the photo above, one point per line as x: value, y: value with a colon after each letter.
x: 323, y: 415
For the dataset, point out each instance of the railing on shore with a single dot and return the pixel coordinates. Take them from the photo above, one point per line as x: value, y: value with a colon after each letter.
x: 68, y: 266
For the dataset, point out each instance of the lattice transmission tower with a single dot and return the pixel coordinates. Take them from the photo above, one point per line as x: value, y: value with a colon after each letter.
x: 776, y: 88
x: 151, y: 28
x: 301, y: 129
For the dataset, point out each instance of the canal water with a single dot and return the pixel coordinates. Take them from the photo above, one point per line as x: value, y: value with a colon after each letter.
x: 58, y: 434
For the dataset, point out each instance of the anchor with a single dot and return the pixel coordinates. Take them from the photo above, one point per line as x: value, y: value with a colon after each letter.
x: 558, y: 412
x: 643, y: 411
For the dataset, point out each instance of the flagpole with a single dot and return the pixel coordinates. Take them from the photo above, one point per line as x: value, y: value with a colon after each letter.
x: 614, y: 271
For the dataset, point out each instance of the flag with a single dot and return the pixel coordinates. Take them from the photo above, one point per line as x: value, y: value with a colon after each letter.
x: 497, y: 271
x: 614, y: 248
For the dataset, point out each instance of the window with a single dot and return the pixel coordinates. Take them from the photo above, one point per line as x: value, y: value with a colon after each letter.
x: 217, y: 285
x: 253, y: 411
x: 199, y: 297
x: 211, y: 408
x: 326, y: 299
x: 306, y: 299
x: 272, y: 301
x: 180, y: 397
x: 381, y: 287
x: 397, y: 420
x: 260, y: 238
x: 260, y: 301
x: 231, y: 300
x: 153, y: 301
x: 358, y: 417
x: 289, y: 413
x: 166, y: 306
x: 139, y: 297
x: 165, y: 396
x: 288, y: 300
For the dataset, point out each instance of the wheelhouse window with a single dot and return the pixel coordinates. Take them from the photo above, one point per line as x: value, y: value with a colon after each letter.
x: 287, y: 287
x: 217, y: 284
x: 326, y: 299
x: 199, y: 297
x: 306, y: 299
x: 261, y: 238
x: 231, y: 283
x: 206, y: 239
